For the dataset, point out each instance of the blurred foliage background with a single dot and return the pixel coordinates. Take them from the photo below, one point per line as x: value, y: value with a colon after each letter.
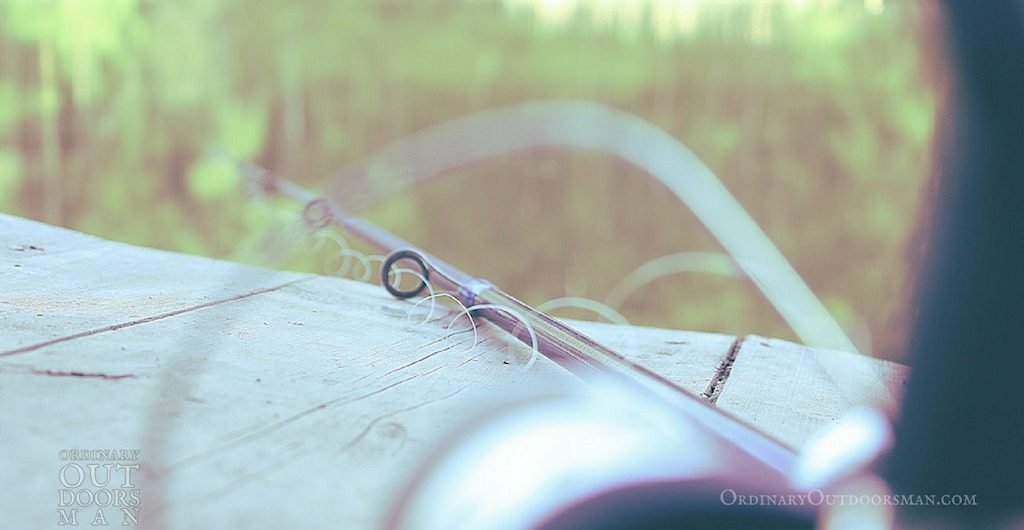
x: 816, y: 115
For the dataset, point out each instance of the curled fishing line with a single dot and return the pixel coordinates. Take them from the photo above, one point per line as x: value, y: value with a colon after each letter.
x: 463, y: 310
x: 593, y: 306
x: 678, y: 263
x: 319, y: 239
x: 374, y: 258
x: 389, y: 263
x: 347, y: 255
x: 432, y: 298
x: 426, y: 283
x: 515, y: 314
x: 591, y: 126
x: 629, y: 343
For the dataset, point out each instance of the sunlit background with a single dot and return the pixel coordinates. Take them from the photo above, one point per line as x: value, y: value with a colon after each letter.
x: 817, y: 115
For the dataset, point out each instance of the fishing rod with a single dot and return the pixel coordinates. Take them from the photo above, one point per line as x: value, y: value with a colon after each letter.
x: 569, y: 348
x: 742, y: 456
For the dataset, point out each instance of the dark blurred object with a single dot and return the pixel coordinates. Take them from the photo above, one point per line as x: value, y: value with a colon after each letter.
x: 960, y: 430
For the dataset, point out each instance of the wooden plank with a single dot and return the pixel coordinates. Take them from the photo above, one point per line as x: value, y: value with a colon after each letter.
x: 789, y: 390
x: 58, y: 282
x: 246, y: 387
x: 258, y: 398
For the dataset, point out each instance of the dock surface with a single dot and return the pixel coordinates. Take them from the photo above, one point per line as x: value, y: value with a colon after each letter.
x: 270, y: 399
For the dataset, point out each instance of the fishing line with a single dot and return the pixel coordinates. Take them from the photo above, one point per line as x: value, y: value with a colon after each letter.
x: 463, y: 310
x: 678, y: 263
x: 429, y: 287
x: 320, y: 238
x: 596, y: 127
x: 629, y: 343
x: 320, y: 234
x: 577, y: 302
x: 468, y: 312
x: 345, y: 269
x: 374, y: 258
x: 514, y: 314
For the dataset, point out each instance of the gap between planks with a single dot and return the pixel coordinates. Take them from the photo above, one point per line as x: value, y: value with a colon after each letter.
x: 717, y: 382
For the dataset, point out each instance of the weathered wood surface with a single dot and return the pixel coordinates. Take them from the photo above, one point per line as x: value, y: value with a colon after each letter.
x: 271, y: 399
x: 789, y: 391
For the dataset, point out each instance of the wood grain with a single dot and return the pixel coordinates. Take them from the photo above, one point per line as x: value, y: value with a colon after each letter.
x: 258, y: 398
x: 789, y: 390
x: 268, y: 399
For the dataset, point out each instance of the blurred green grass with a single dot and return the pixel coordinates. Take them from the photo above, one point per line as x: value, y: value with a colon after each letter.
x: 816, y: 115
